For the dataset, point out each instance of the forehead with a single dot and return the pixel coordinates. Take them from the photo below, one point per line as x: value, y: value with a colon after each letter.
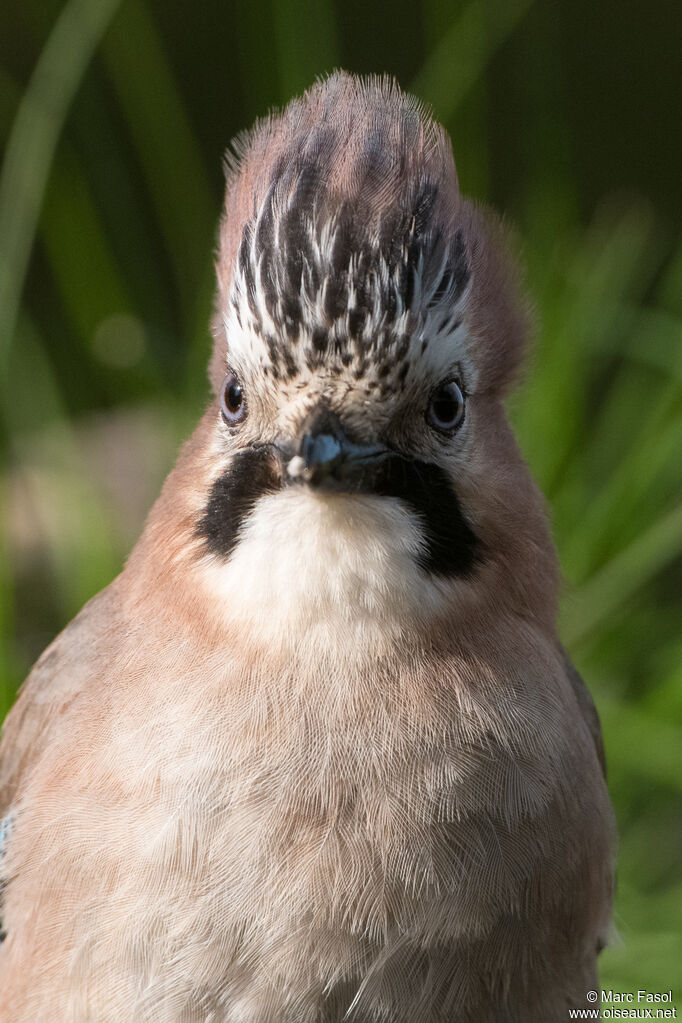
x: 323, y: 281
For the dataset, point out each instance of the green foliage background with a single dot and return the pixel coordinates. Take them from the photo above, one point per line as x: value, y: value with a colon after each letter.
x: 565, y: 115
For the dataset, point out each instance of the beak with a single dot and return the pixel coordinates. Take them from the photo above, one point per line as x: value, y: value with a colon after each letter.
x: 327, y: 456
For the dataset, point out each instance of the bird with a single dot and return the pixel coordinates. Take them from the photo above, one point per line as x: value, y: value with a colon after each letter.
x: 317, y: 754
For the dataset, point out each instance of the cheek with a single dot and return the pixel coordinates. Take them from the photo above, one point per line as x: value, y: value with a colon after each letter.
x: 253, y: 473
x: 450, y: 547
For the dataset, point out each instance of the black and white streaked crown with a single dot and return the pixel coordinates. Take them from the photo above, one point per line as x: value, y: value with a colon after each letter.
x: 357, y: 270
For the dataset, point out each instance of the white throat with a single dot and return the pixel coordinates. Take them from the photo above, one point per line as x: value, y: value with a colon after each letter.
x: 338, y: 572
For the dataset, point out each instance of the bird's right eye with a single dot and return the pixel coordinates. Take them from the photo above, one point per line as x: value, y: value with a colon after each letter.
x: 446, y: 408
x: 232, y: 400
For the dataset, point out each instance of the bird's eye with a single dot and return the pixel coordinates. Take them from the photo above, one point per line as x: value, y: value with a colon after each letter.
x: 446, y: 408
x: 232, y: 400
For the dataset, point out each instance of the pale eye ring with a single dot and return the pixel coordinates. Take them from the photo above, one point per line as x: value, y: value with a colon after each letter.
x: 232, y: 400
x: 446, y: 407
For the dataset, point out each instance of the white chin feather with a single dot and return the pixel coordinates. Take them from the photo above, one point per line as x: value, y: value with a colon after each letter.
x: 296, y: 467
x: 330, y: 569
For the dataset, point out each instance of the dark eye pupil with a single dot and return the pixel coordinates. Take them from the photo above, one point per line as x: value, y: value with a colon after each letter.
x: 233, y: 397
x: 232, y: 402
x: 446, y: 410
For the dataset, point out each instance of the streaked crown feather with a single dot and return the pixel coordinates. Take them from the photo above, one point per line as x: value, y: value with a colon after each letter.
x: 345, y: 243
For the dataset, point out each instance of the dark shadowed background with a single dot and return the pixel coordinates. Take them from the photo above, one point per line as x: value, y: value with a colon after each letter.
x: 114, y: 115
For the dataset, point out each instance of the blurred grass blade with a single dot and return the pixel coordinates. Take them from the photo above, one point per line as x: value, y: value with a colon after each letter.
x: 32, y: 143
x: 670, y: 291
x: 618, y: 505
x: 639, y: 743
x: 170, y: 158
x: 658, y: 341
x: 582, y: 306
x: 622, y: 577
x: 457, y: 63
x: 84, y: 294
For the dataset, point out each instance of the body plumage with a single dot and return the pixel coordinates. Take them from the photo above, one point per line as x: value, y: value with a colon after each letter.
x: 317, y: 754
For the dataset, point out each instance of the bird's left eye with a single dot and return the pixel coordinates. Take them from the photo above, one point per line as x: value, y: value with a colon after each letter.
x: 446, y: 408
x: 232, y: 401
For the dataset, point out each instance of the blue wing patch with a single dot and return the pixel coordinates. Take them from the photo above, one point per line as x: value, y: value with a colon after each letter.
x: 5, y: 831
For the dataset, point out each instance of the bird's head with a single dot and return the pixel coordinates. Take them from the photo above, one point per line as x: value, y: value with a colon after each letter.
x: 356, y: 461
